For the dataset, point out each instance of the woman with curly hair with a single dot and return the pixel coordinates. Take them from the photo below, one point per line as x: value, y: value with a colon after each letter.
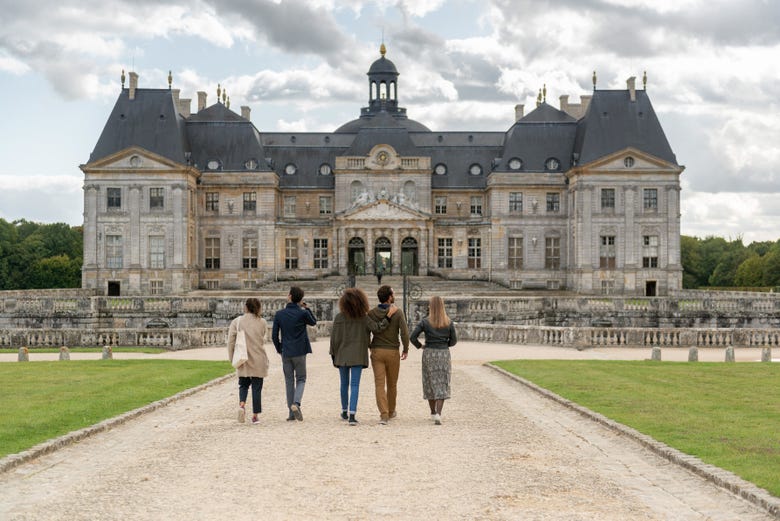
x: 349, y: 341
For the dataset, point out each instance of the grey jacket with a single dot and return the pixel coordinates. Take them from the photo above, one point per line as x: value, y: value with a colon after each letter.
x: 440, y: 338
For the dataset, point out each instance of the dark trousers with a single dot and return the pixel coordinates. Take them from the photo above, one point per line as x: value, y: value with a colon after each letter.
x: 257, y: 389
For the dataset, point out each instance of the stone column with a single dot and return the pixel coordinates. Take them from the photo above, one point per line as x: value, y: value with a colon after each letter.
x: 370, y: 250
x: 396, y: 260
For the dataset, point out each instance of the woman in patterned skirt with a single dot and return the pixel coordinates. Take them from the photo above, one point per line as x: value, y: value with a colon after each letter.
x: 439, y: 332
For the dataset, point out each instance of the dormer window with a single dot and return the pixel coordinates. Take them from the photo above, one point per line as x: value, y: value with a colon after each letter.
x: 475, y: 169
x: 213, y: 164
x: 440, y: 169
x: 515, y: 163
x: 325, y: 169
x: 251, y: 164
x: 552, y: 164
x: 290, y: 169
x: 628, y: 162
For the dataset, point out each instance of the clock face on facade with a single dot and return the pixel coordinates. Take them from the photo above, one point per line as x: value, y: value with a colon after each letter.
x: 440, y: 169
x: 290, y: 169
x: 382, y: 157
x: 515, y: 163
x: 475, y: 169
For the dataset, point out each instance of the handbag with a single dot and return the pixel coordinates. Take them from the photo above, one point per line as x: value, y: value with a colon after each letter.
x: 240, y: 355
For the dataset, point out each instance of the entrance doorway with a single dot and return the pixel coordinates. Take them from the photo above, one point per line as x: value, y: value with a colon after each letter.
x: 650, y: 288
x: 383, y: 256
x: 409, y: 258
x: 356, y: 257
x: 114, y: 288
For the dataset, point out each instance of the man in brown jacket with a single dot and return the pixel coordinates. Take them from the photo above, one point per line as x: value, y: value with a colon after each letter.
x: 385, y: 359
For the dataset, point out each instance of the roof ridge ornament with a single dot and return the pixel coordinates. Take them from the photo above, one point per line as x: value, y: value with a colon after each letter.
x: 382, y: 49
x: 123, y: 79
x: 544, y: 93
x: 170, y: 79
x: 224, y: 95
x: 594, y: 80
x: 644, y: 80
x: 219, y: 92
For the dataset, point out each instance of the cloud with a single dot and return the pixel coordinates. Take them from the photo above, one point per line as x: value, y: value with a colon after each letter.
x: 56, y: 198
x: 725, y: 215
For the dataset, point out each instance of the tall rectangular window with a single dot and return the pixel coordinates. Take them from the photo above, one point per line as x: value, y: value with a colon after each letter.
x: 553, y: 202
x: 291, y: 254
x: 552, y: 253
x: 649, y: 251
x: 250, y: 202
x: 440, y: 206
x: 650, y: 199
x: 156, y: 287
x: 515, y: 202
x: 212, y: 201
x: 326, y: 205
x: 156, y: 198
x: 607, y: 198
x: 475, y: 252
x: 289, y: 206
x: 212, y: 253
x: 249, y: 253
x: 320, y: 253
x: 114, y: 198
x: 444, y: 253
x: 607, y: 252
x: 156, y: 252
x: 515, y: 253
x: 476, y: 205
x: 114, y: 251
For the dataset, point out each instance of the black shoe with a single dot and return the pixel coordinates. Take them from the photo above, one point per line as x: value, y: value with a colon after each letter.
x: 344, y: 415
x: 352, y: 420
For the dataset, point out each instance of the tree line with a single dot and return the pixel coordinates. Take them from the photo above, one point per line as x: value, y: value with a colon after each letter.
x: 40, y: 256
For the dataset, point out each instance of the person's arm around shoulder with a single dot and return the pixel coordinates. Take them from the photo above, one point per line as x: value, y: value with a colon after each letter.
x: 275, y: 333
x: 418, y: 329
x: 453, y: 335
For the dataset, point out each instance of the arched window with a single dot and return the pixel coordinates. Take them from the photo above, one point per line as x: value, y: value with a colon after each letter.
x: 393, y: 93
x: 383, y: 90
x: 373, y: 91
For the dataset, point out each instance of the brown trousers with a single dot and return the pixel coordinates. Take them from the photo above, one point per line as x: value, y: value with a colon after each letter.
x: 386, y: 363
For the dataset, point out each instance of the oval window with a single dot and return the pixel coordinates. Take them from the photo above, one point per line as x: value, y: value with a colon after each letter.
x: 552, y: 164
x: 290, y: 169
x: 475, y: 169
x: 440, y: 169
x: 325, y: 169
x: 515, y: 163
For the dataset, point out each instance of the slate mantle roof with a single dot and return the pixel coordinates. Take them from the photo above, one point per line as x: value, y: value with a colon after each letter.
x: 612, y: 123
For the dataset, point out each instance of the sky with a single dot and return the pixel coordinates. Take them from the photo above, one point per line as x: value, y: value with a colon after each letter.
x: 712, y: 67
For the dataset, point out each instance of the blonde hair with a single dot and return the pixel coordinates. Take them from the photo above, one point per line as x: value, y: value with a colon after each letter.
x: 437, y: 315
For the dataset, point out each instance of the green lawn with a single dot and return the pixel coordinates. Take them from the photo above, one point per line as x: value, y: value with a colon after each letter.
x: 43, y: 400
x: 727, y: 415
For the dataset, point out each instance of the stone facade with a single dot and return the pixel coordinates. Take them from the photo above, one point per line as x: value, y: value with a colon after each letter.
x: 565, y: 199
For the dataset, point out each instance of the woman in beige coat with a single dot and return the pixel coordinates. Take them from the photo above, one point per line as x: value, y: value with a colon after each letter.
x: 256, y: 367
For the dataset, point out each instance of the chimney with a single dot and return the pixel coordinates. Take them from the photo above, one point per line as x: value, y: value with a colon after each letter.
x: 564, y: 100
x: 245, y: 111
x: 175, y: 93
x: 201, y: 100
x: 184, y: 107
x: 519, y: 108
x: 631, y: 84
x: 133, y: 84
x: 585, y: 102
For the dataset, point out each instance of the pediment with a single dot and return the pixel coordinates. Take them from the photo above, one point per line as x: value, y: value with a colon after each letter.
x: 631, y: 159
x: 383, y: 210
x: 134, y: 158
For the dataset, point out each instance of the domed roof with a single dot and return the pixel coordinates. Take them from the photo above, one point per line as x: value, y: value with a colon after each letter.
x: 382, y: 65
x: 386, y: 121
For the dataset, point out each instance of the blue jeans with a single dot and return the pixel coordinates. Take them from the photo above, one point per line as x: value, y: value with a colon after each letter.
x: 257, y: 389
x: 294, y: 378
x: 350, y: 386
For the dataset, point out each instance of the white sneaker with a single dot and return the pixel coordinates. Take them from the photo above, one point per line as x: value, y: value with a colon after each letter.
x: 241, y: 415
x: 437, y: 419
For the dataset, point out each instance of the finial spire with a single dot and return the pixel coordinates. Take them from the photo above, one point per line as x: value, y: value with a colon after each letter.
x: 170, y: 79
x: 539, y: 98
x: 123, y: 78
x: 224, y: 95
x: 228, y: 102
x: 594, y: 80
x: 382, y: 49
x: 544, y: 93
x: 644, y: 80
x: 219, y: 92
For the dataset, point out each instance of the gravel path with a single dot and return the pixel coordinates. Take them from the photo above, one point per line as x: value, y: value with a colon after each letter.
x: 504, y: 452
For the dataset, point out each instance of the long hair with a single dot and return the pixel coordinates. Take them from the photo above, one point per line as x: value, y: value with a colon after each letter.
x: 437, y: 316
x: 353, y: 303
x: 253, y: 306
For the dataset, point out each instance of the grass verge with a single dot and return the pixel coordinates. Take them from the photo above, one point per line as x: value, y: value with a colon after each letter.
x: 44, y: 400
x: 727, y: 415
